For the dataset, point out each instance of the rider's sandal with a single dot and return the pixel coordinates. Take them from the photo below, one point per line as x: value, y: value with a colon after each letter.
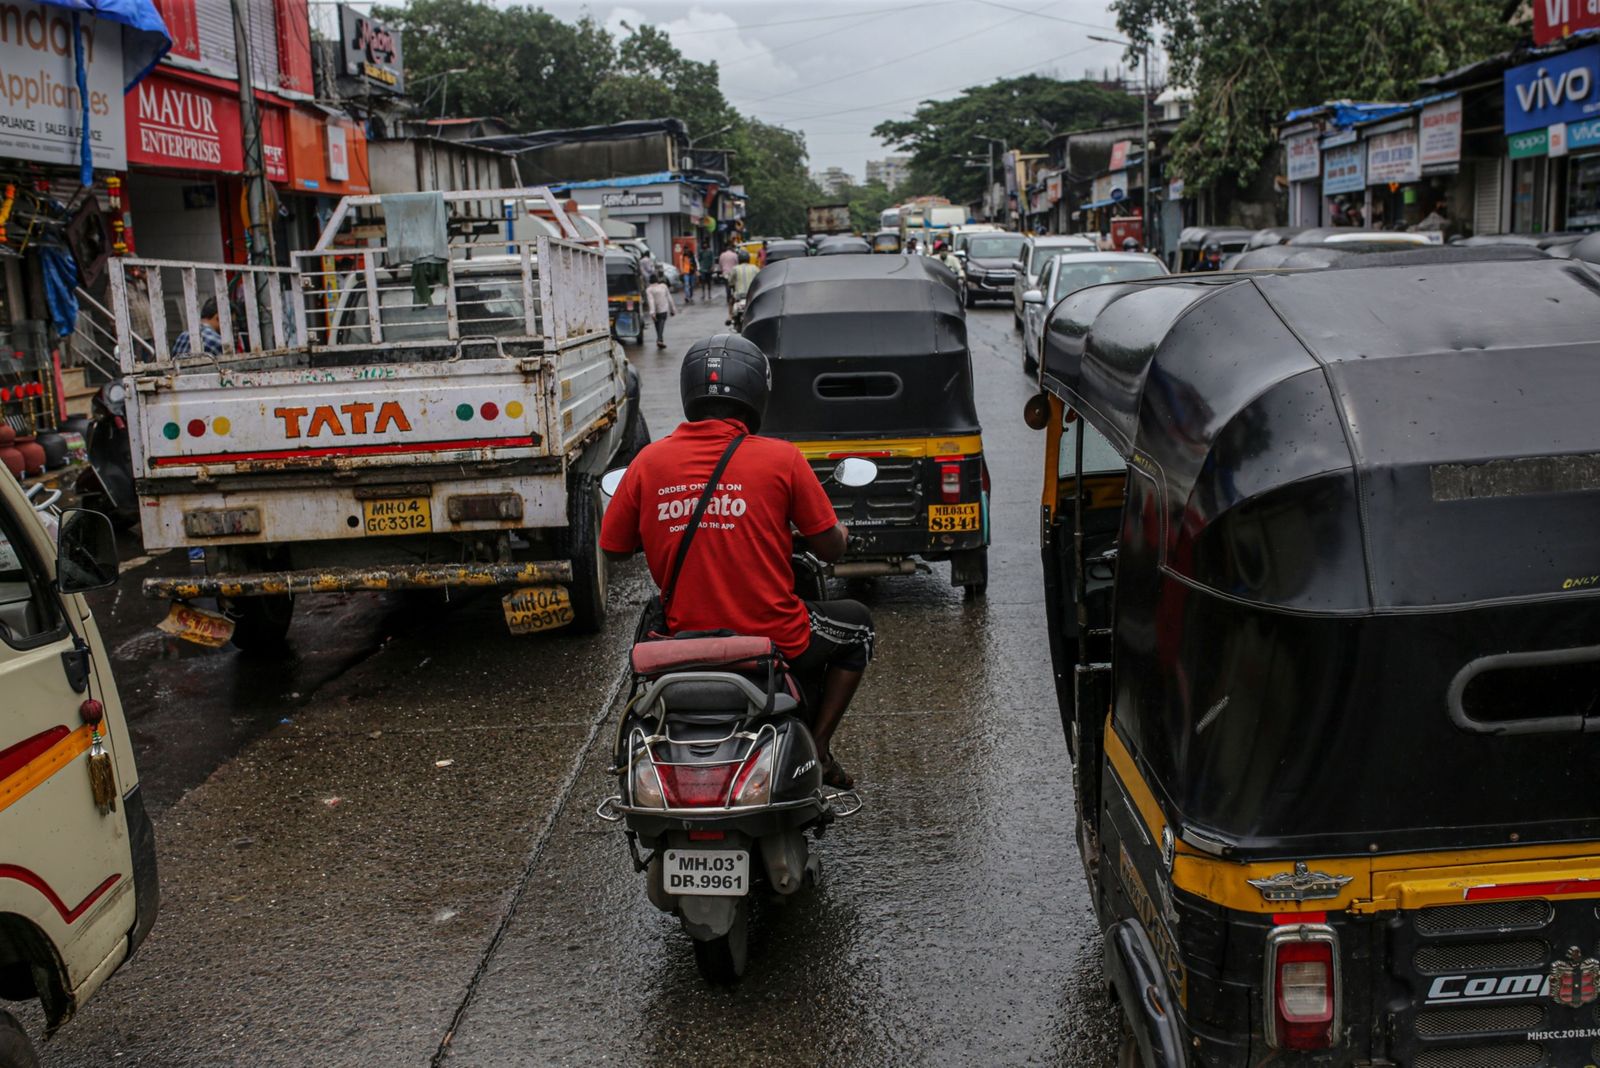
x: 836, y: 777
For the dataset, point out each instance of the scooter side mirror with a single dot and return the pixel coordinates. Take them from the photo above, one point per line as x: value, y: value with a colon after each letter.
x: 611, y: 480
x: 855, y: 472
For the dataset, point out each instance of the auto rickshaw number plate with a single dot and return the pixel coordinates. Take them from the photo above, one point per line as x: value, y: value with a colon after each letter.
x: 707, y: 872
x: 534, y: 608
x: 951, y: 518
x: 397, y: 515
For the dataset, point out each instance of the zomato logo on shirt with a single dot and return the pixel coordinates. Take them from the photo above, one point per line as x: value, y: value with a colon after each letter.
x: 727, y: 504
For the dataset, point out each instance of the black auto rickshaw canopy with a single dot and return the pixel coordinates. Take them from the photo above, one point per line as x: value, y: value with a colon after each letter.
x: 622, y: 274
x: 1358, y: 582
x: 863, y: 346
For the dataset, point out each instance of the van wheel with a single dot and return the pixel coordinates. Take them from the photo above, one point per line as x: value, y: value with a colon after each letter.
x: 260, y: 624
x: 580, y: 543
x: 15, y: 1049
x: 722, y: 960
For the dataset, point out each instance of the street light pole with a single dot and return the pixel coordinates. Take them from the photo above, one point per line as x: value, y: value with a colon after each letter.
x: 1144, y: 62
x: 988, y: 194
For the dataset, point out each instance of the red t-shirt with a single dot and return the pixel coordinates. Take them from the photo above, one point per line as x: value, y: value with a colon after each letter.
x: 737, y: 574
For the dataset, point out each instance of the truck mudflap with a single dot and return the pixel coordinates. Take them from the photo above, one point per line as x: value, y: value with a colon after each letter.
x: 1140, y: 987
x: 350, y: 579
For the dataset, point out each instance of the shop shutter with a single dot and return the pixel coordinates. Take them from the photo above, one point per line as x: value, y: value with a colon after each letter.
x: 217, y: 53
x: 1486, y: 196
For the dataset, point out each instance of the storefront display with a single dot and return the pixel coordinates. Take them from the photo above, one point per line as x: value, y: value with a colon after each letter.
x: 1583, y: 192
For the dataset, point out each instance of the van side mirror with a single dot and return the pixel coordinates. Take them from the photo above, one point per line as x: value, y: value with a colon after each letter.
x: 86, y: 552
x: 611, y: 480
x: 1016, y: 265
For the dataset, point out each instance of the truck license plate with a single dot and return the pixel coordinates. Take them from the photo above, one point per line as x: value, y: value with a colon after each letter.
x: 535, y: 608
x: 398, y: 515
x: 707, y: 872
x: 951, y: 518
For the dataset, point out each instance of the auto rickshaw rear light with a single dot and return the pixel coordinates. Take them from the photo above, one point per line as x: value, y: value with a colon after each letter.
x: 1302, y: 981
x: 950, y: 479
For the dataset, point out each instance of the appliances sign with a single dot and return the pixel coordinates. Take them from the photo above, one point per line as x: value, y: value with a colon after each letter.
x: 1564, y: 88
x: 371, y: 50
x: 40, y: 110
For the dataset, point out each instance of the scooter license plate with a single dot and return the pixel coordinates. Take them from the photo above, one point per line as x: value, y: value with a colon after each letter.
x: 706, y: 872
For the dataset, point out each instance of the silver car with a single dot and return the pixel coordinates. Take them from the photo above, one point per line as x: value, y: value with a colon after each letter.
x: 1031, y: 263
x: 1068, y: 273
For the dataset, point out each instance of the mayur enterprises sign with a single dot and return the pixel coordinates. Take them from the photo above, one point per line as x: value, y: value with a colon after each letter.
x: 40, y: 109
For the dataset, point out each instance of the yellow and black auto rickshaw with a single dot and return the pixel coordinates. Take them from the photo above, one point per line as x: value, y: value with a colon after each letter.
x: 1320, y: 562
x: 869, y: 358
x: 625, y: 296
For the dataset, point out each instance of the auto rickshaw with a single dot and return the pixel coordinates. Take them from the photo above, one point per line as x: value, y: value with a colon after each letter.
x: 1324, y: 615
x: 887, y: 241
x: 869, y: 358
x: 625, y: 296
x: 1192, y: 242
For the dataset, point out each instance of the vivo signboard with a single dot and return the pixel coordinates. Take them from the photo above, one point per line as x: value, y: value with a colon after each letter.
x: 1564, y: 88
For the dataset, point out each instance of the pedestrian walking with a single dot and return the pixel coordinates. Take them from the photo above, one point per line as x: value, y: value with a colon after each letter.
x: 725, y: 265
x: 647, y: 265
x: 659, y: 299
x: 708, y: 263
x: 686, y: 272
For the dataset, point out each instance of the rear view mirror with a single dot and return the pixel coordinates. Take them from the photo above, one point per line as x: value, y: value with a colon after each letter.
x: 1016, y: 265
x: 1033, y: 296
x: 86, y: 552
x: 611, y: 480
x: 855, y: 472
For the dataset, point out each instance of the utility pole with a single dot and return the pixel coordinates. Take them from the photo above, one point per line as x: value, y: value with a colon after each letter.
x: 1144, y: 62
x: 258, y: 228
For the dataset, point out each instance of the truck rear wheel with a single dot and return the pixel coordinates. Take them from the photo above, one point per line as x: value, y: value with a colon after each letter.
x: 15, y: 1049
x: 580, y: 543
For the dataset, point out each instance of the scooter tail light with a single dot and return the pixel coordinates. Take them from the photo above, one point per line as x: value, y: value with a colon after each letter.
x: 696, y: 785
x: 1303, y: 983
x: 753, y: 785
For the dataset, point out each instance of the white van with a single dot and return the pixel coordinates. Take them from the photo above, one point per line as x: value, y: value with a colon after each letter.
x: 78, y: 887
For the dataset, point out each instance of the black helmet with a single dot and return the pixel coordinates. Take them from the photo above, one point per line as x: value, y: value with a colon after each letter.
x: 726, y: 367
x: 1130, y: 245
x: 1212, y: 246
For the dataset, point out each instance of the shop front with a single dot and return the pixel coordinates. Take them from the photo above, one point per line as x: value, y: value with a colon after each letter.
x: 327, y: 159
x: 185, y: 189
x: 659, y: 207
x: 1552, y: 127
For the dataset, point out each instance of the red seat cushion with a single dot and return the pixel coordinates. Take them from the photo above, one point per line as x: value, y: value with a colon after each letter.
x: 687, y: 654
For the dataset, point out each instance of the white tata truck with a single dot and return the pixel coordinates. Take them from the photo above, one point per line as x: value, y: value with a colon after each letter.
x: 356, y: 422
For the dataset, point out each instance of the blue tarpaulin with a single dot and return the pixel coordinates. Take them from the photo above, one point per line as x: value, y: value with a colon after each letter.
x: 60, y: 279
x: 144, y: 41
x: 144, y: 35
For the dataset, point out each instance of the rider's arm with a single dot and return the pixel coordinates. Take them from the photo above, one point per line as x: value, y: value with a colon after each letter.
x: 812, y: 514
x: 619, y: 530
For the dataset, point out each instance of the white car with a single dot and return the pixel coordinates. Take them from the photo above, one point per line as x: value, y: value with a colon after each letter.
x: 1068, y: 273
x: 1031, y: 261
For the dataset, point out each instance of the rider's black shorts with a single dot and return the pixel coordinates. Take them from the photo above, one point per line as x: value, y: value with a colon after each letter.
x: 841, y: 636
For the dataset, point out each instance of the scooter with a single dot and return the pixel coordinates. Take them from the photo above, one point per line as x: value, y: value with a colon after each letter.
x: 106, y: 485
x: 718, y: 777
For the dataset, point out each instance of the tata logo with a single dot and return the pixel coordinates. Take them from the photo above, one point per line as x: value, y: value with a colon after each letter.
x: 358, y: 417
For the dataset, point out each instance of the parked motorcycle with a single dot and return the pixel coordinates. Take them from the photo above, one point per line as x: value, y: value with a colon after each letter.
x: 106, y: 485
x: 718, y: 776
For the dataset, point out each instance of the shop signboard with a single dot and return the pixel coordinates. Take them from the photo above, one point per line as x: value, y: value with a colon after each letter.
x: 1339, y: 137
x: 1305, y: 157
x: 1119, y: 155
x: 1532, y: 143
x: 42, y: 112
x: 1583, y: 134
x: 371, y: 50
x: 1175, y: 189
x: 1392, y: 157
x: 338, y: 153
x: 1441, y: 133
x: 633, y: 198
x: 1564, y: 88
x: 1052, y: 188
x: 1556, y: 19
x: 1344, y: 169
x: 177, y: 124
x: 1556, y: 140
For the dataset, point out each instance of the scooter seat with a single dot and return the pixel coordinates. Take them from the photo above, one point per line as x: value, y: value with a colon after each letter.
x: 654, y: 659
x: 716, y: 699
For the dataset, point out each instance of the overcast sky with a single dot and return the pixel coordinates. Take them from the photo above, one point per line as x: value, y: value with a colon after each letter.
x: 833, y: 69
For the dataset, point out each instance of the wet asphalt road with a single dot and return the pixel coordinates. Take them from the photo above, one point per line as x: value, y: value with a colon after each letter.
x: 332, y: 895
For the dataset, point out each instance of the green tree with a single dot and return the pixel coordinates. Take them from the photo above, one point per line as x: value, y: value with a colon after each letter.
x: 1023, y: 113
x: 1250, y: 61
x: 518, y: 63
x: 868, y: 203
x: 770, y: 162
x: 651, y: 79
